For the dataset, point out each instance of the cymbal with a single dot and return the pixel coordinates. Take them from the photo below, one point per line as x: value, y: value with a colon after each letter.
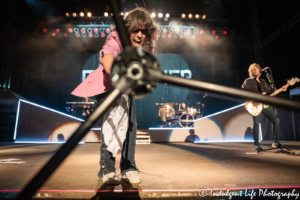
x: 171, y: 104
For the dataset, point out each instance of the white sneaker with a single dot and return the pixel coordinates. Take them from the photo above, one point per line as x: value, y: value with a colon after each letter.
x: 110, y: 178
x: 132, y: 177
x: 274, y: 145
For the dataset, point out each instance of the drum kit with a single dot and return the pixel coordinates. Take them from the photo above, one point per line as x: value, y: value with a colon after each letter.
x: 179, y: 118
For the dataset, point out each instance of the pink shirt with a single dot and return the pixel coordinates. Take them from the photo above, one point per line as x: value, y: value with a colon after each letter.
x: 99, y: 81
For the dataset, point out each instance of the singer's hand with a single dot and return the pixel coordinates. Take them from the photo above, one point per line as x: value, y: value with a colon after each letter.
x: 284, y: 88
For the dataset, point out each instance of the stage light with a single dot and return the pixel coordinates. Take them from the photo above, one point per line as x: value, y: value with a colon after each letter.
x: 44, y: 30
x: 175, y: 35
x: 95, y: 30
x: 159, y: 30
x: 187, y: 36
x: 107, y: 30
x: 74, y: 14
x: 195, y: 31
x: 81, y: 14
x: 181, y: 36
x: 169, y: 35
x: 217, y: 37
x: 177, y: 30
x: 164, y: 35
x: 83, y: 35
x: 89, y: 14
x: 224, y: 32
x: 171, y: 30
x: 57, y: 30
x: 65, y: 34
x: 165, y: 30
x: 70, y: 30
x: 122, y: 13
x: 67, y: 14
x: 167, y: 15
x: 160, y: 15
x: 203, y: 16
x: 126, y: 14
x: 202, y: 32
x: 183, y: 31
x: 53, y: 34
x: 101, y: 30
x: 197, y: 16
x: 157, y: 35
x: 194, y: 36
x: 153, y: 14
x: 76, y: 30
x: 97, y: 35
x: 83, y: 30
x: 77, y: 34
x: 213, y: 32
x: 190, y: 16
x: 89, y: 30
x: 90, y: 35
x: 188, y: 31
x: 106, y: 14
x: 111, y: 14
x: 102, y: 34
x: 183, y: 15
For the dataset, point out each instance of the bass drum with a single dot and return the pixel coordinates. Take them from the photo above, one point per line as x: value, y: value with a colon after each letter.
x: 186, y: 120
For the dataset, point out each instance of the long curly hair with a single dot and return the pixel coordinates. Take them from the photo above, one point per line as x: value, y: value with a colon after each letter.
x: 141, y: 17
x: 251, y: 67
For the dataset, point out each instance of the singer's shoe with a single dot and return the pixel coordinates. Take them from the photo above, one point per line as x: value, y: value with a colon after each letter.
x: 276, y: 145
x: 257, y: 148
x: 110, y: 178
x: 132, y: 177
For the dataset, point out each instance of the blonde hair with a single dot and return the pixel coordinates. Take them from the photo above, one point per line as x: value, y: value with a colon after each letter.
x: 251, y: 67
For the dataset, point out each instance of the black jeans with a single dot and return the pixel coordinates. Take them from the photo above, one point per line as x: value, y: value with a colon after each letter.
x: 127, y: 163
x: 270, y: 114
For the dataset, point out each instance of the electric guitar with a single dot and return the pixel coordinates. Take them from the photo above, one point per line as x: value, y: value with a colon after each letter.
x: 255, y: 109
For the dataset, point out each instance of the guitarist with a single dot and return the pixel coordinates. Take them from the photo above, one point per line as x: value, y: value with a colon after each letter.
x: 256, y: 84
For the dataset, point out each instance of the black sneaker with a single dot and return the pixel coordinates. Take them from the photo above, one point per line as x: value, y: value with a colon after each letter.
x: 257, y: 147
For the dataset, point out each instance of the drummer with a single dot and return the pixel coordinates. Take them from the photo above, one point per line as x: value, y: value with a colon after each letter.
x: 183, y: 108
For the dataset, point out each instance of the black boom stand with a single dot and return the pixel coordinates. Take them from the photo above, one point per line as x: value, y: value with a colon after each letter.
x: 136, y: 73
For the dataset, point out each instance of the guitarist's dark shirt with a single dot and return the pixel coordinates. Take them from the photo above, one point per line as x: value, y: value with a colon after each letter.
x: 251, y: 84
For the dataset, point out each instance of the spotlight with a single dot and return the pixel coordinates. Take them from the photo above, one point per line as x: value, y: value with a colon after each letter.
x: 177, y: 30
x: 159, y: 30
x: 183, y: 15
x: 203, y: 16
x: 67, y: 14
x: 96, y: 35
x: 90, y: 35
x: 194, y: 36
x: 57, y: 30
x: 101, y: 30
x: 188, y: 31
x: 95, y: 30
x: 122, y: 13
x: 197, y: 16
x: 81, y: 14
x: 201, y: 32
x: 106, y: 14
x: 53, y: 34
x: 183, y: 31
x: 224, y: 32
x: 187, y: 36
x: 65, y: 34
x: 163, y: 35
x: 167, y: 15
x: 171, y: 30
x: 160, y: 15
x: 195, y: 31
x: 169, y: 35
x: 126, y: 14
x: 76, y: 30
x: 217, y: 37
x: 181, y: 36
x: 190, y: 16
x: 89, y: 14
x: 213, y: 32
x: 111, y: 14
x: 83, y: 30
x: 107, y: 30
x: 102, y: 34
x: 77, y: 34
x: 157, y: 35
x: 153, y: 14
x: 175, y: 35
x: 44, y: 30
x: 70, y: 30
x: 83, y: 35
x: 74, y: 14
x: 89, y: 30
x: 165, y: 30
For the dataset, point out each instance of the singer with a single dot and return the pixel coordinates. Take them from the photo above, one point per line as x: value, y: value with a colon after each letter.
x: 256, y: 84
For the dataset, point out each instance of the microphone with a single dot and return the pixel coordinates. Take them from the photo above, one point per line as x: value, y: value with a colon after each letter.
x: 265, y: 68
x: 204, y: 95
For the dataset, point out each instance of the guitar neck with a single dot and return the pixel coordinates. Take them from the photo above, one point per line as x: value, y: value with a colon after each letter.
x: 278, y: 91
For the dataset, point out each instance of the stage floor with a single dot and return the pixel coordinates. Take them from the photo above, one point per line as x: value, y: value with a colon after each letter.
x: 167, y: 169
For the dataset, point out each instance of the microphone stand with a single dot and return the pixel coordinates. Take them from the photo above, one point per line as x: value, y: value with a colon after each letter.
x: 136, y: 73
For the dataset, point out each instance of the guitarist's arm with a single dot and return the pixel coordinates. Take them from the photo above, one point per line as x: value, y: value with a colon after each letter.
x: 246, y: 85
